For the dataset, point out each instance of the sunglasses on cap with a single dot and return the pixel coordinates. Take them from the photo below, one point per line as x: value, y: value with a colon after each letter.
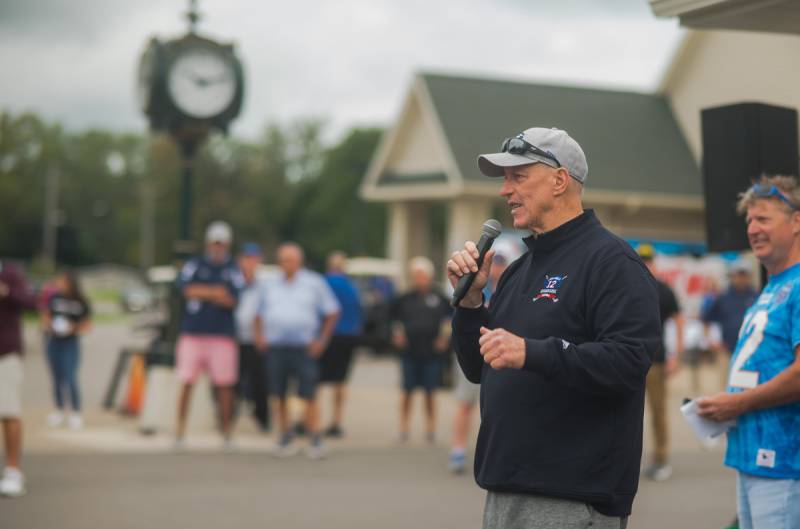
x: 768, y: 191
x: 519, y: 146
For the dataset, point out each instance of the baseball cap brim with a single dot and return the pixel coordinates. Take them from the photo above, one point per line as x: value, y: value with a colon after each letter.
x: 495, y: 164
x: 218, y: 236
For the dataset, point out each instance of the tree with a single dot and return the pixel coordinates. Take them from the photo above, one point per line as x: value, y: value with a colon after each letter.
x: 333, y: 215
x: 118, y: 194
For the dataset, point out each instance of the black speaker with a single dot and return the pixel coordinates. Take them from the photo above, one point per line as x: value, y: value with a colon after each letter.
x: 740, y: 143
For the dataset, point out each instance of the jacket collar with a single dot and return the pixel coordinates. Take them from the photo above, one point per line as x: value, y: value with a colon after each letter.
x: 544, y: 242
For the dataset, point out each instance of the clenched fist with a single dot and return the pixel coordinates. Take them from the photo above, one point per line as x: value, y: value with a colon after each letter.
x: 502, y: 349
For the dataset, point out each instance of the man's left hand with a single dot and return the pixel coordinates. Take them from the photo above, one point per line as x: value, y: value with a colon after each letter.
x: 316, y: 348
x: 502, y: 349
x: 722, y: 406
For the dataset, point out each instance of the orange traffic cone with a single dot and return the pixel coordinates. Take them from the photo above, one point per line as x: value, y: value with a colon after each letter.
x: 136, y: 381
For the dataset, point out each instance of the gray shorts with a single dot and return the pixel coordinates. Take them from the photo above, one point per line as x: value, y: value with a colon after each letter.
x: 506, y: 510
x: 10, y: 386
x: 465, y: 390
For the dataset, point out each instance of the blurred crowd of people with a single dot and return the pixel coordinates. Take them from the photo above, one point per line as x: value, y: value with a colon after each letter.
x: 261, y: 336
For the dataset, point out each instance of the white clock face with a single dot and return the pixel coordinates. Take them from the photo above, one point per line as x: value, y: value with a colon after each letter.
x: 201, y: 82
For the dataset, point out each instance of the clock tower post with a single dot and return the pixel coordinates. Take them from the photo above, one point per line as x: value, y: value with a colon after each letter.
x: 188, y: 87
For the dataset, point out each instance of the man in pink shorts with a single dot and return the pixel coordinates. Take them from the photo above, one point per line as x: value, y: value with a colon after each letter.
x: 210, y: 284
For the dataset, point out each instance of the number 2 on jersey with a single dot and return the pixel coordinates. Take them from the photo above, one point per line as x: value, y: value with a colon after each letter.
x: 748, y: 379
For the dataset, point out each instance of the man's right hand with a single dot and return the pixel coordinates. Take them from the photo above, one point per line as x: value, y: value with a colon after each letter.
x: 261, y: 344
x: 4, y: 290
x: 464, y: 262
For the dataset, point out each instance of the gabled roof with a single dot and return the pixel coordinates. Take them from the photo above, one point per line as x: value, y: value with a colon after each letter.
x: 632, y: 142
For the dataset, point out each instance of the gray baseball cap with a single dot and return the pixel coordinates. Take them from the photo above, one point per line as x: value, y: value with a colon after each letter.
x: 555, y: 147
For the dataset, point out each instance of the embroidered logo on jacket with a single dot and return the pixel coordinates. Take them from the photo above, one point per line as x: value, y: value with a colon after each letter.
x: 550, y: 290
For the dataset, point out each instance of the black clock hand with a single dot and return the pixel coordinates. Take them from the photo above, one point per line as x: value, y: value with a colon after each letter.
x: 218, y: 79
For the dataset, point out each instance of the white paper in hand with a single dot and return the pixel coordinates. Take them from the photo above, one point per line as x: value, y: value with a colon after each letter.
x: 704, y: 428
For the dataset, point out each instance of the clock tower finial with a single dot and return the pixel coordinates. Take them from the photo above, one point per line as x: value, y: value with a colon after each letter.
x: 193, y: 16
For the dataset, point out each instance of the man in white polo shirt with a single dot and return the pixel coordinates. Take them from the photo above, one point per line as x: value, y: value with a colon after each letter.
x: 296, y: 317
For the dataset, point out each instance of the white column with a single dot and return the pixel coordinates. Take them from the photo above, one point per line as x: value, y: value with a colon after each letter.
x: 464, y: 220
x: 397, y: 237
x: 419, y: 230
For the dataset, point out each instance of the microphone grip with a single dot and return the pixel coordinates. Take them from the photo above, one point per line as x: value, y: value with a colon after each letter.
x: 464, y: 284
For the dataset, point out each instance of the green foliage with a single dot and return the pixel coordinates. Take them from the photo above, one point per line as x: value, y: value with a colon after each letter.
x: 287, y: 186
x: 331, y: 215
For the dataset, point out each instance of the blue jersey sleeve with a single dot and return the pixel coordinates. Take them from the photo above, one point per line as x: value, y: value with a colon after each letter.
x: 795, y: 320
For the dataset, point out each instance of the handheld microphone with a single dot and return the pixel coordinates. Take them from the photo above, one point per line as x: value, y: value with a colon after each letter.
x: 489, y: 232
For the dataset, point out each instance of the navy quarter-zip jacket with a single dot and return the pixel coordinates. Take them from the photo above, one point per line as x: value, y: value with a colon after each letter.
x: 569, y: 424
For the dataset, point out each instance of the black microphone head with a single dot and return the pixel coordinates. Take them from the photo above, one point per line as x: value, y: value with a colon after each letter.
x: 491, y: 228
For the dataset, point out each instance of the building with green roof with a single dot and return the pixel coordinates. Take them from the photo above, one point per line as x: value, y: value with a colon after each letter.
x: 643, y: 180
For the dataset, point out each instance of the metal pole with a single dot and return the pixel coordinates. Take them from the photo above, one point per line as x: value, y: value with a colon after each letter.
x: 147, y: 224
x: 186, y: 197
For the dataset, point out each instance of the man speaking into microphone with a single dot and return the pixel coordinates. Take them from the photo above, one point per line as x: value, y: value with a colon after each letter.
x: 562, y: 352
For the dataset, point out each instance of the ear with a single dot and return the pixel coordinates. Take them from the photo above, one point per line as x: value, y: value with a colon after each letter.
x: 795, y: 222
x: 560, y: 181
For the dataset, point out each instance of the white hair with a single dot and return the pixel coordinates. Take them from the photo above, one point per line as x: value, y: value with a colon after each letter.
x: 421, y: 263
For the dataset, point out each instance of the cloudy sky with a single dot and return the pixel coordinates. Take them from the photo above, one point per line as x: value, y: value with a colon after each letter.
x: 349, y: 61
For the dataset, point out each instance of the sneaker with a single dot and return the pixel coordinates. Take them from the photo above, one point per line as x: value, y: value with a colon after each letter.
x: 179, y: 444
x: 13, y: 483
x: 334, y: 431
x: 285, y: 447
x: 75, y: 422
x: 55, y: 419
x: 402, y: 438
x: 457, y: 461
x: 228, y: 445
x: 316, y: 451
x: 430, y: 438
x: 658, y: 472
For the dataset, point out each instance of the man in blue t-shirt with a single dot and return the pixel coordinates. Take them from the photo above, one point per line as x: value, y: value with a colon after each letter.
x: 764, y: 382
x: 210, y: 284
x: 335, y: 362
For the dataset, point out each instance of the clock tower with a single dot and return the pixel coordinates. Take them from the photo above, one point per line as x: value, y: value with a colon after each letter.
x: 189, y: 87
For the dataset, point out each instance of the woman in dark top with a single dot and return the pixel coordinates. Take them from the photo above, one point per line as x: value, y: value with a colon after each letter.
x: 66, y: 318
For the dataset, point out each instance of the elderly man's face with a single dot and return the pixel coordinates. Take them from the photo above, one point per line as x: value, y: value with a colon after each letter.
x: 421, y: 279
x: 290, y: 260
x: 771, y: 231
x: 528, y: 192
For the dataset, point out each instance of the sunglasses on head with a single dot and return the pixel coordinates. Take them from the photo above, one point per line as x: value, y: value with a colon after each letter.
x: 519, y: 146
x: 768, y: 191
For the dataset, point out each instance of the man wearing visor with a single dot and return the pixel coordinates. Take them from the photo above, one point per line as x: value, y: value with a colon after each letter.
x: 561, y: 353
x: 764, y: 379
